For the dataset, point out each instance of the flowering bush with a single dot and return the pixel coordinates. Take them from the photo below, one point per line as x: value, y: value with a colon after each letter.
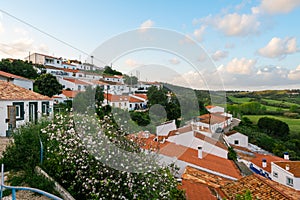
x: 94, y: 160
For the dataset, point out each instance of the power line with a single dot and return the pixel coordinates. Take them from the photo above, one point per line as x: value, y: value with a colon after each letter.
x: 49, y: 35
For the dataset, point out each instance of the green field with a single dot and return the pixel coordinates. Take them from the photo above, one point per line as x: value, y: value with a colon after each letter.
x: 289, y: 104
x: 239, y: 100
x: 274, y: 108
x: 294, y: 124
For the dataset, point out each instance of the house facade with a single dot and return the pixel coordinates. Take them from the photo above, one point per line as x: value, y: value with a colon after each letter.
x: 287, y: 173
x: 236, y: 138
x: 19, y: 106
x: 17, y: 80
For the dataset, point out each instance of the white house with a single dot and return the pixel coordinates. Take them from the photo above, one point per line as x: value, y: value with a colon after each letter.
x: 19, y: 106
x: 194, y: 139
x: 73, y: 83
x: 213, y: 122
x: 42, y: 59
x: 164, y: 129
x: 116, y: 101
x: 287, y: 173
x: 17, y: 80
x: 236, y: 138
x: 115, y: 78
x: 214, y: 109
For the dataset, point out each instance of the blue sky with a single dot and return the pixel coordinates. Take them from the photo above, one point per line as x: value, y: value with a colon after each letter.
x: 253, y: 44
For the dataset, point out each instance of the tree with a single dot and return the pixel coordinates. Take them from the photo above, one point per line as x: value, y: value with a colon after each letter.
x: 274, y: 127
x: 156, y: 96
x: 109, y: 71
x: 19, y: 67
x: 47, y: 84
x: 99, y: 95
x: 130, y: 80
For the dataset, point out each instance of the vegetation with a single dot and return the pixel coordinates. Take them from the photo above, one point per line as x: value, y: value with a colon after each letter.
x: 109, y: 71
x: 273, y: 127
x: 130, y: 80
x: 19, y: 67
x: 266, y: 140
x: 47, y: 84
x: 23, y: 155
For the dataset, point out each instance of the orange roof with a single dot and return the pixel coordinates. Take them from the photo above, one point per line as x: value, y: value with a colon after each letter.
x: 144, y: 96
x: 10, y: 91
x: 257, y: 160
x: 209, y: 107
x: 70, y: 93
x: 259, y: 187
x: 116, y: 98
x: 189, y: 155
x: 76, y: 81
x: 212, y: 118
x: 231, y: 133
x: 196, y: 191
x: 70, y: 70
x: 209, y: 140
x: 294, y: 166
x: 135, y: 100
x: 9, y: 75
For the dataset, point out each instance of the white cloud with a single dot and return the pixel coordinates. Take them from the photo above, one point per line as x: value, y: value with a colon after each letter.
x: 131, y: 63
x: 20, y: 31
x: 294, y: 74
x: 276, y: 6
x: 241, y: 66
x: 1, y: 28
x: 198, y: 33
x: 174, y: 61
x: 190, y: 79
x: 146, y: 24
x: 279, y: 48
x: 219, y: 55
x: 234, y: 24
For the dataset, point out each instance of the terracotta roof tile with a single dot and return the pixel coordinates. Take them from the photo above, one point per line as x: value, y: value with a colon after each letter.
x: 10, y: 91
x: 209, y: 140
x: 257, y: 160
x: 70, y: 93
x: 213, y: 118
x: 76, y: 81
x: 260, y: 188
x: 196, y: 191
x: 9, y: 75
x: 144, y: 96
x: 294, y: 166
x: 135, y: 100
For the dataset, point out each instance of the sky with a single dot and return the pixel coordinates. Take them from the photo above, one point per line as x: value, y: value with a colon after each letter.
x: 237, y: 45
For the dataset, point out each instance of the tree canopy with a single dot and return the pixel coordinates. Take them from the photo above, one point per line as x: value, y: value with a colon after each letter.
x: 47, y: 84
x: 109, y: 71
x: 19, y: 67
x: 130, y: 80
x: 274, y: 127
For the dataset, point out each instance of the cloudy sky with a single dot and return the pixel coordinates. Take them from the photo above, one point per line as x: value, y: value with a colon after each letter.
x: 250, y: 44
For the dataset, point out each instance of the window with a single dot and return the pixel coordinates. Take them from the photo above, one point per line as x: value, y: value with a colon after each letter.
x: 19, y: 110
x: 275, y: 174
x: 45, y: 108
x: 236, y: 142
x: 289, y: 181
x: 79, y: 87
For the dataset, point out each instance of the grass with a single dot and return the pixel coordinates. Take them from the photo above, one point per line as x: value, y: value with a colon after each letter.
x: 289, y: 104
x: 274, y: 108
x: 294, y: 124
x: 239, y: 100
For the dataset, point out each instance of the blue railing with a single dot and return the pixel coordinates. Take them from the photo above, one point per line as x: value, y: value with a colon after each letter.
x: 15, y: 188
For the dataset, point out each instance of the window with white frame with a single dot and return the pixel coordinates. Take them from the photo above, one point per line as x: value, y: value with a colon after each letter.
x: 289, y: 181
x: 275, y: 174
x: 236, y: 142
x: 19, y: 110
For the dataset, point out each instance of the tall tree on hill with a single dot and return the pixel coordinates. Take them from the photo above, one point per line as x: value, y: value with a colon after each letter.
x: 109, y: 71
x: 47, y: 84
x: 19, y: 67
x: 274, y: 127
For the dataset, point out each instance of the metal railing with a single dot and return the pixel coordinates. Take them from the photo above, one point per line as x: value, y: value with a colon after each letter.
x: 15, y: 188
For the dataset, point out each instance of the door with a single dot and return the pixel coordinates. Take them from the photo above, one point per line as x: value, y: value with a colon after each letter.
x: 33, y: 111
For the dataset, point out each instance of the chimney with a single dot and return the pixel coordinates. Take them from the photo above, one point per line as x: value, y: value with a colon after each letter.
x: 264, y: 163
x: 200, y: 152
x: 286, y: 156
x: 287, y: 167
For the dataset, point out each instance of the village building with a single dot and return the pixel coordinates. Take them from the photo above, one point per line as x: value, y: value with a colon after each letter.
x: 19, y: 106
